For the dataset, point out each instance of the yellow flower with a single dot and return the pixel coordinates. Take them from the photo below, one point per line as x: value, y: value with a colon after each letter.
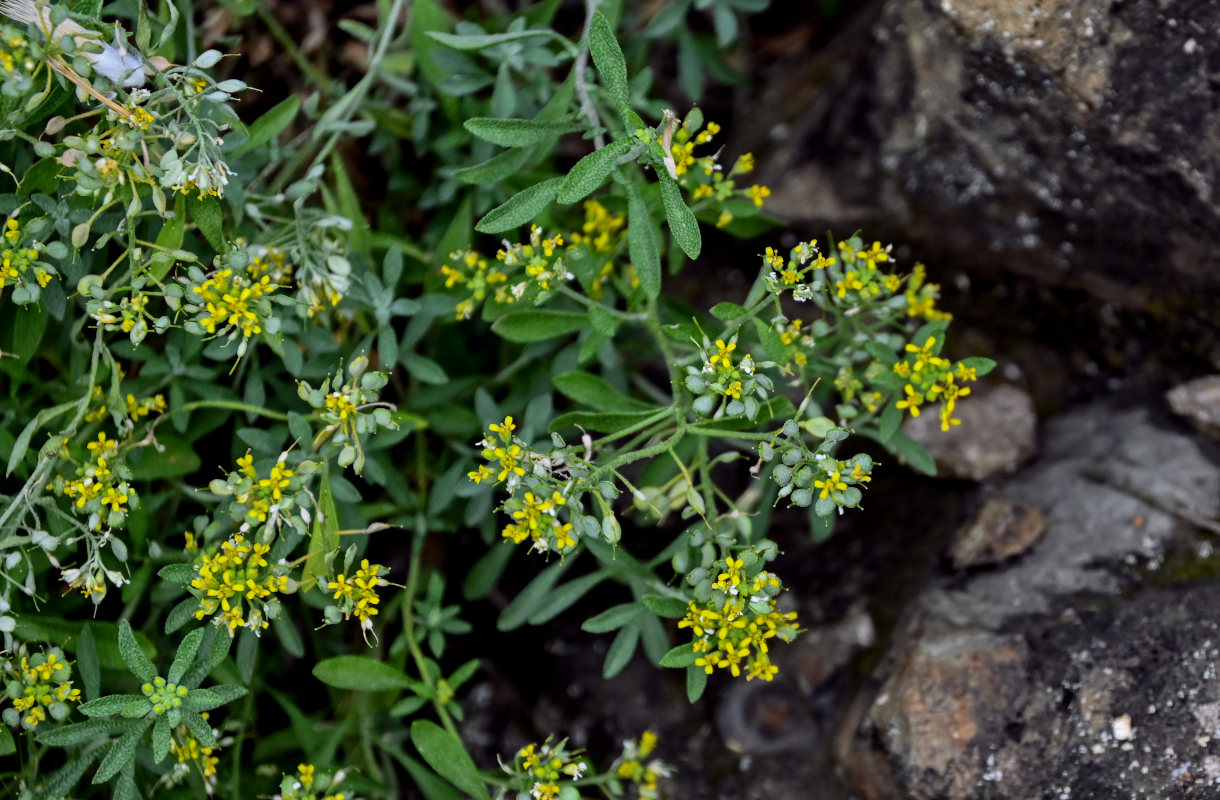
x: 758, y: 194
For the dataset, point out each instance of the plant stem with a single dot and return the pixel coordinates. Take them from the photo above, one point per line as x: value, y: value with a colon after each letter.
x: 408, y: 629
x: 581, y: 66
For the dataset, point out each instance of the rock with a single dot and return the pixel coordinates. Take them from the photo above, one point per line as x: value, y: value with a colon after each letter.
x: 996, y: 436
x: 1072, y: 141
x: 1198, y: 401
x: 1002, y: 529
x: 946, y: 699
x: 1012, y: 682
x: 824, y: 650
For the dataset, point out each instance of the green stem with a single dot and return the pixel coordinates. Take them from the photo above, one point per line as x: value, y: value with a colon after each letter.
x: 285, y: 40
x: 408, y: 630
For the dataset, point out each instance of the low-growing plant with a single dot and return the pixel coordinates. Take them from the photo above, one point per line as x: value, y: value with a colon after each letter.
x: 246, y: 385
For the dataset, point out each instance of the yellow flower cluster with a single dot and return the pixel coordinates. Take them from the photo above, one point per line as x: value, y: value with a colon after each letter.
x: 13, y: 56
x: 18, y: 262
x: 238, y: 572
x: 704, y: 178
x: 543, y: 766
x: 264, y: 495
x: 307, y: 784
x: 138, y: 117
x: 733, y: 628
x: 727, y: 378
x: 357, y: 595
x: 537, y: 518
x: 508, y: 457
x: 229, y: 299
x: 932, y: 379
x: 921, y: 296
x: 792, y: 338
x: 190, y: 754
x: 138, y: 409
x: 39, y: 686
x: 543, y: 262
x: 473, y: 273
x: 97, y: 491
x: 631, y: 766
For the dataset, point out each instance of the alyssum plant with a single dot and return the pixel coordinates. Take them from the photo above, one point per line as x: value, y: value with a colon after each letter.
x: 170, y: 274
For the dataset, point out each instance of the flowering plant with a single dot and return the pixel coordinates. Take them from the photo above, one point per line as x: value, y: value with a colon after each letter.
x: 252, y: 409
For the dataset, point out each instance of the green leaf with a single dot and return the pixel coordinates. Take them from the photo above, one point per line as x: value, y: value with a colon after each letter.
x: 913, y: 453
x: 424, y: 369
x: 696, y: 682
x: 678, y: 657
x: 360, y: 674
x: 269, y: 126
x: 599, y: 422
x: 444, y: 753
x: 161, y: 737
x: 109, y: 705
x: 208, y: 217
x: 180, y: 574
x: 882, y: 352
x: 173, y: 458
x: 536, y: 325
x: 983, y: 365
x: 487, y: 570
x: 122, y: 753
x: 662, y: 606
x: 214, y: 649
x: 642, y: 246
x: 608, y: 58
x: 87, y: 663
x: 770, y: 339
x: 429, y: 785
x: 531, y: 597
x: 325, y: 536
x: 727, y: 312
x: 125, y: 786
x: 29, y: 326
x: 612, y: 618
x: 228, y: 693
x: 133, y: 656
x: 199, y: 728
x: 596, y: 393
x: 517, y: 132
x: 181, y: 614
x: 891, y: 418
x: 32, y: 627
x: 496, y: 168
x: 591, y: 171
x: 80, y: 732
x: 520, y: 208
x: 621, y: 650
x: 480, y: 42
x: 23, y: 439
x: 185, y: 656
x: 683, y: 226
x: 561, y: 599
x: 60, y: 782
x: 7, y: 745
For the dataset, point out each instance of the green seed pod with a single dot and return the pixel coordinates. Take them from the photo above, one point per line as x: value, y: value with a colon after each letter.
x: 792, y: 456
x: 802, y: 498
x: 782, y: 474
x: 804, y: 477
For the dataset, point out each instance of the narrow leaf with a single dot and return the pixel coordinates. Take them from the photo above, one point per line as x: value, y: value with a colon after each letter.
x: 642, y: 242
x: 269, y: 126
x: 682, y: 223
x: 520, y: 208
x: 662, y: 606
x: 133, y: 656
x: 608, y: 58
x: 496, y: 168
x: 621, y: 650
x: 591, y: 172
x: 531, y: 597
x: 517, y: 132
x: 612, y: 618
x: 360, y: 674
x: 87, y: 663
x: 681, y: 656
x: 445, y: 753
x: 596, y: 393
x: 535, y: 325
x: 185, y: 656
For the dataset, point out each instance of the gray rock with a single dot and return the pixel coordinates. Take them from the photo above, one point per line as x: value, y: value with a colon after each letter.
x: 1002, y: 529
x: 1198, y: 401
x: 996, y: 436
x: 1012, y: 683
x: 1074, y: 141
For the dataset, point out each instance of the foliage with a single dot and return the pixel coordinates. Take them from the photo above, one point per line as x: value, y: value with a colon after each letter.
x: 240, y: 381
